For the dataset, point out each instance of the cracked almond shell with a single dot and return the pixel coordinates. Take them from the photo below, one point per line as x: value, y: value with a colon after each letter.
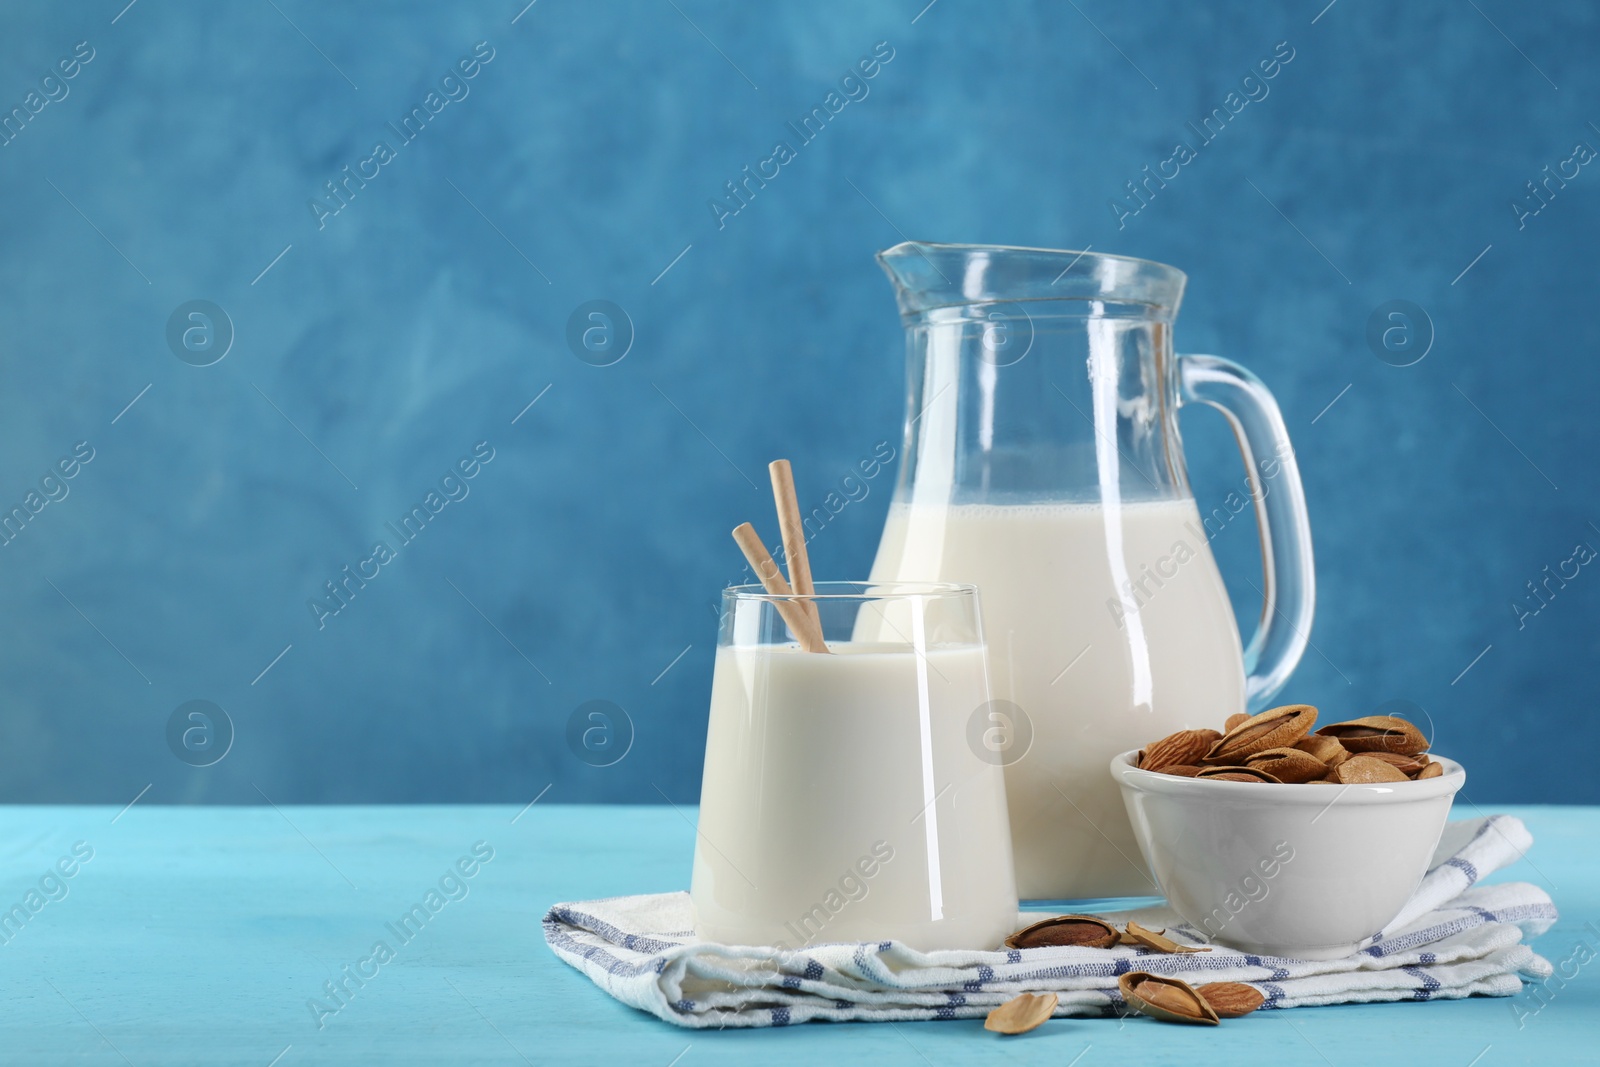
x: 1066, y: 930
x: 1237, y: 774
x: 1367, y: 770
x: 1157, y: 940
x: 1288, y: 764
x: 1168, y: 999
x: 1021, y: 1013
x: 1277, y: 727
x: 1326, y: 749
x: 1406, y: 765
x: 1377, y: 733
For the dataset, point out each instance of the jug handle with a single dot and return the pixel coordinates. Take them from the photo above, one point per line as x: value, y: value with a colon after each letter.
x: 1289, y: 589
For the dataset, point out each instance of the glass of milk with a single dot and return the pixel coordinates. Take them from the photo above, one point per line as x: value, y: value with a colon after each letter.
x: 851, y: 795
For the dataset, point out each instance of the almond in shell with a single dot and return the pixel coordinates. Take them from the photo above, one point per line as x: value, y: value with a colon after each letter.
x: 1234, y: 720
x: 1168, y: 999
x: 1021, y: 1013
x: 1365, y: 770
x: 1378, y: 733
x: 1230, y: 1000
x: 1066, y: 930
x: 1274, y: 728
x: 1236, y: 774
x: 1326, y: 749
x: 1406, y: 765
x: 1288, y: 764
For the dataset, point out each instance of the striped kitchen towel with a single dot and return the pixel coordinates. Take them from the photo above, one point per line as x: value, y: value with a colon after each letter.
x: 1454, y: 939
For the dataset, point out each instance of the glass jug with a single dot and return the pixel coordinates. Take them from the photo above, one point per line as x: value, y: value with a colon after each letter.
x: 1043, y: 463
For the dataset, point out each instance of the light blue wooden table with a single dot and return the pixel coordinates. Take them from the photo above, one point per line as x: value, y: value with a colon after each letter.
x: 198, y: 936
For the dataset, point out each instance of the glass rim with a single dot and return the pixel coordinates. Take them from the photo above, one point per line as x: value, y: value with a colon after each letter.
x: 1072, y: 255
x: 862, y: 591
x: 980, y: 274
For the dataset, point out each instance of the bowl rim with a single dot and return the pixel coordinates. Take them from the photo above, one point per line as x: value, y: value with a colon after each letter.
x: 1279, y: 793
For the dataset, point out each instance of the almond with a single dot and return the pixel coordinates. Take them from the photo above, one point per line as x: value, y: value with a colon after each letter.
x: 1182, y: 770
x: 1235, y: 720
x: 1273, y: 728
x: 1235, y: 774
x: 1230, y: 1000
x: 1406, y: 765
x: 1432, y: 770
x: 1168, y: 999
x: 1378, y: 733
x: 1021, y: 1013
x: 1066, y: 930
x: 1326, y: 749
x: 1364, y: 770
x: 1183, y: 747
x: 1288, y: 764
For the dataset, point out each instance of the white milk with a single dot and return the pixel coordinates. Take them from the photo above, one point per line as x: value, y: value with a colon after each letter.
x: 839, y: 805
x: 1053, y: 580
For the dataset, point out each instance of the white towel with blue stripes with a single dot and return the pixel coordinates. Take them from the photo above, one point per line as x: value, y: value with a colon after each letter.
x: 1454, y: 939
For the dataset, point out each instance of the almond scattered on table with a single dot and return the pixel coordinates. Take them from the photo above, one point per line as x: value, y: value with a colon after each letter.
x: 1021, y: 1013
x: 1231, y: 1000
x: 1278, y: 746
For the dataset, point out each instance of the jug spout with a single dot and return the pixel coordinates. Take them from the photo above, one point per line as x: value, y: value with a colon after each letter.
x: 927, y: 276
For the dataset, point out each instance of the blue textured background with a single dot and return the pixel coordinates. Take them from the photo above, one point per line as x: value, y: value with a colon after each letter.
x: 432, y: 309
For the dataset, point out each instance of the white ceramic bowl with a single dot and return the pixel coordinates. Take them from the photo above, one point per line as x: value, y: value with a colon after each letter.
x: 1304, y: 871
